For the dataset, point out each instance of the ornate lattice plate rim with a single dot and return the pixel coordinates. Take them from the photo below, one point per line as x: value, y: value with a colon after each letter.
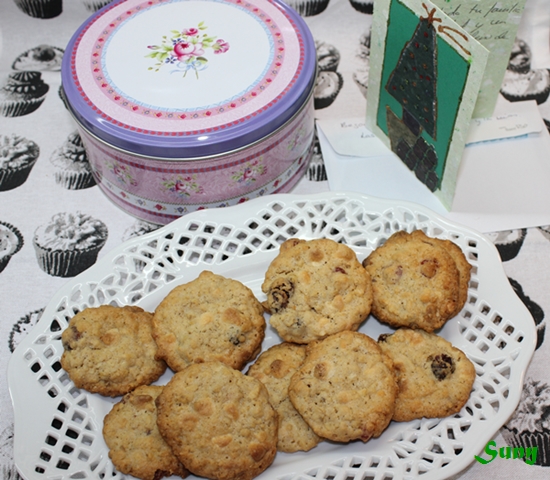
x: 58, y: 427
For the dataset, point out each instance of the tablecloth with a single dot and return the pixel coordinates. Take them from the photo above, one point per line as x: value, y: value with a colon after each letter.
x: 25, y: 288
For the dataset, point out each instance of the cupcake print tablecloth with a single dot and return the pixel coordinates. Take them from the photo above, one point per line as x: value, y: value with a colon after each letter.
x: 49, y: 197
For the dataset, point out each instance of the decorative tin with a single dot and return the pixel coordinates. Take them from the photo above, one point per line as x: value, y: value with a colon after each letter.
x: 189, y: 104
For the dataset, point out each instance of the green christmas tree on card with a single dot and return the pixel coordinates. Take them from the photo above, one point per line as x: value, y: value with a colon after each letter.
x: 413, y: 83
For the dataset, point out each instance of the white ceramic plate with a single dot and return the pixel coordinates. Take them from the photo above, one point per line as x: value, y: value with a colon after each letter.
x: 58, y: 427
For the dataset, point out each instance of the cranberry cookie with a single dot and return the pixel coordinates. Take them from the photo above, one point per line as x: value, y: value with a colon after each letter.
x: 434, y: 377
x: 316, y: 288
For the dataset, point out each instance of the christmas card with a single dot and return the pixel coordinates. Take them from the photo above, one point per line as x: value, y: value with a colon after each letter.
x: 494, y: 24
x: 425, y: 77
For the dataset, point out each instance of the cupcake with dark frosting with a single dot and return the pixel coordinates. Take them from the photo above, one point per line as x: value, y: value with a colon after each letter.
x: 22, y: 93
x: 40, y: 8
x: 17, y: 157
x: 530, y: 425
x: 11, y: 242
x: 72, y: 169
x: 40, y: 58
x: 69, y: 243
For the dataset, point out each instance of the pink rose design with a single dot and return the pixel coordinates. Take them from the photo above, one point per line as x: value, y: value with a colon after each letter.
x: 191, y: 32
x: 221, y: 46
x: 186, y: 50
x: 179, y: 186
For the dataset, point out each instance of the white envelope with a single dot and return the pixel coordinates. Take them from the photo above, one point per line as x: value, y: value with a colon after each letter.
x: 503, y: 181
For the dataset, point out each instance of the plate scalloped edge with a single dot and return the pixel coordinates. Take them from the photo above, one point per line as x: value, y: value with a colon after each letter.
x: 58, y: 427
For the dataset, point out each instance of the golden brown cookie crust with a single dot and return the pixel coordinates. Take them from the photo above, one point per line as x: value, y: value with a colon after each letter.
x: 110, y: 350
x: 211, y: 318
x: 435, y: 378
x: 274, y: 368
x: 463, y: 266
x: 316, y: 288
x: 218, y: 422
x: 415, y: 282
x: 345, y: 389
x: 136, y: 446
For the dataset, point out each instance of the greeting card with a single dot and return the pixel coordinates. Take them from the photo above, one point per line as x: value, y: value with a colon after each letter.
x: 425, y: 78
x: 494, y: 24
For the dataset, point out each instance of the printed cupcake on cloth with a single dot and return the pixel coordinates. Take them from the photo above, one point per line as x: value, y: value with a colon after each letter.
x: 17, y: 157
x: 11, y: 242
x: 40, y: 58
x: 95, y: 5
x: 72, y: 169
x: 40, y: 8
x: 521, y: 82
x: 309, y: 8
x: 530, y: 425
x: 22, y: 93
x: 69, y: 243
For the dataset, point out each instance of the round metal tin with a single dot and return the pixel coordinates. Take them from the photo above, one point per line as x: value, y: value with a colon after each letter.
x: 188, y: 79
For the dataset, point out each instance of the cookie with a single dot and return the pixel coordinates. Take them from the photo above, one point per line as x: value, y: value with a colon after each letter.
x: 110, y: 350
x: 345, y: 389
x: 274, y: 368
x: 136, y: 446
x: 464, y: 269
x: 434, y: 377
x: 218, y: 422
x: 210, y: 318
x: 316, y: 288
x: 415, y: 281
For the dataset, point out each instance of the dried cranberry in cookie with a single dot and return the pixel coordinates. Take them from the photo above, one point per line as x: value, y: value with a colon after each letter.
x: 435, y: 378
x: 316, y: 288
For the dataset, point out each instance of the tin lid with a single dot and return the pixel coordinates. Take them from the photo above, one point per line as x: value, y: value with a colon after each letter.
x: 188, y: 78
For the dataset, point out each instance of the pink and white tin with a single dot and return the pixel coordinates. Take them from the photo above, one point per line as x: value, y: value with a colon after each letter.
x: 189, y: 104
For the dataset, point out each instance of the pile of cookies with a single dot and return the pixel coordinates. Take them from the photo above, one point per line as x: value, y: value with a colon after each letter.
x: 324, y: 381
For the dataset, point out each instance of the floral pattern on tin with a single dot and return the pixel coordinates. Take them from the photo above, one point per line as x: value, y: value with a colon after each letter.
x: 182, y: 186
x: 122, y: 173
x: 249, y: 173
x: 185, y: 50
